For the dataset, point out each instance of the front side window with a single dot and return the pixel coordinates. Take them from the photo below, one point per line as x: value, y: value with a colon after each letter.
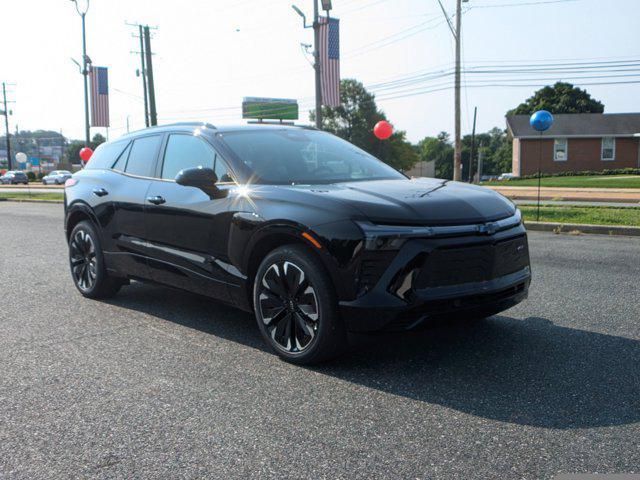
x: 142, y: 155
x: 608, y: 148
x: 187, y: 151
x: 560, y: 153
x: 297, y: 156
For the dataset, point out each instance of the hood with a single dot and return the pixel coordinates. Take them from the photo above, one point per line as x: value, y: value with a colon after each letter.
x: 423, y: 201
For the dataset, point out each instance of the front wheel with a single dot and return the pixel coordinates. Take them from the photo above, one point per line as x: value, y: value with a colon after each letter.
x: 296, y: 307
x: 87, y: 263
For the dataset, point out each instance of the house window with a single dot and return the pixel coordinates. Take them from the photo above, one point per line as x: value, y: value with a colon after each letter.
x: 608, y: 149
x: 560, y: 150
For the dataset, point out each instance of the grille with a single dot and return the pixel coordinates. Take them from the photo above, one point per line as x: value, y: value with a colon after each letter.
x: 473, y: 264
x: 372, y: 267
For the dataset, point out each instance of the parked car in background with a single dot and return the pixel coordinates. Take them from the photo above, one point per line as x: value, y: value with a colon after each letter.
x: 57, y: 177
x: 14, y: 177
x: 488, y: 178
x: 507, y: 176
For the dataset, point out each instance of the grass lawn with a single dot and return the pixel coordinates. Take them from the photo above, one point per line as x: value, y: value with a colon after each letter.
x: 583, y: 215
x: 34, y: 196
x: 596, y: 181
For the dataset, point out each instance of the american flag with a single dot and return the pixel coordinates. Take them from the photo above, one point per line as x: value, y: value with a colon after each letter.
x: 330, y: 60
x: 99, y: 97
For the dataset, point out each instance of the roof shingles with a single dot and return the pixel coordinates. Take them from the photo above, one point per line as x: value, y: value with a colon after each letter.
x: 579, y: 125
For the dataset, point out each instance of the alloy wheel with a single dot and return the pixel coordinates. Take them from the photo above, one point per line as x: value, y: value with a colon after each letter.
x: 83, y: 260
x: 288, y: 307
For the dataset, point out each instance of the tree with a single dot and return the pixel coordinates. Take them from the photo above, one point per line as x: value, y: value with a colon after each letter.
x: 440, y: 150
x: 496, y: 152
x: 354, y: 120
x: 495, y: 146
x: 72, y: 153
x: 561, y: 98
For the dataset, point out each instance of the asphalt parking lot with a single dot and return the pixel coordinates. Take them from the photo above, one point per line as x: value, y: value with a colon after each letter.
x: 163, y: 384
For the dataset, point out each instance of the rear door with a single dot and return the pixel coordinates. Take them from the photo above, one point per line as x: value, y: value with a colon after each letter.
x: 187, y: 231
x: 135, y: 167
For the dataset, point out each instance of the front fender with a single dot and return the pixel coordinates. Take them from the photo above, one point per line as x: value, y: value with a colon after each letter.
x: 339, y: 242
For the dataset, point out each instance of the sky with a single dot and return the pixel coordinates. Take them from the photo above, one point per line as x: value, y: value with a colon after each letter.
x: 209, y: 54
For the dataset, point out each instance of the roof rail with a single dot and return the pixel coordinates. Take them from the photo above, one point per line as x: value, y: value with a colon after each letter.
x: 280, y: 122
x: 178, y: 124
x: 187, y: 124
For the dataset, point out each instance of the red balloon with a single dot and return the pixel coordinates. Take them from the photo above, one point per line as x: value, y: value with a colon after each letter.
x: 85, y: 154
x: 383, y: 130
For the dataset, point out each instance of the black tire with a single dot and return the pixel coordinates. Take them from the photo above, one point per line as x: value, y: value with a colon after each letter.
x: 87, y: 263
x: 312, y: 335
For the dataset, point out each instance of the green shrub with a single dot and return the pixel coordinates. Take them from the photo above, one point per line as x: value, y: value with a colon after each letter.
x: 31, y: 176
x: 584, y: 173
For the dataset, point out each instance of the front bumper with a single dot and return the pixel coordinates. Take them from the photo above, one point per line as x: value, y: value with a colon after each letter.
x: 402, y: 299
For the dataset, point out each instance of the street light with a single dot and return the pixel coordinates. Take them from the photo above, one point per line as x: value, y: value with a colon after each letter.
x: 304, y: 17
x: 86, y: 61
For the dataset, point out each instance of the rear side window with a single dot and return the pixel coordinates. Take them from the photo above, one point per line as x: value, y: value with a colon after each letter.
x: 142, y: 155
x: 105, y: 155
x: 122, y: 159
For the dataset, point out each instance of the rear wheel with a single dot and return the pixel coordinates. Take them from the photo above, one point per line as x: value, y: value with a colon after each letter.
x: 296, y: 307
x: 87, y: 263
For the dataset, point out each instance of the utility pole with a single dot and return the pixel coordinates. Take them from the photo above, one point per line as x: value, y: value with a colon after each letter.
x: 473, y: 145
x: 457, y: 36
x: 457, y: 155
x: 480, y: 159
x: 317, y: 64
x: 153, y: 115
x: 143, y: 74
x: 6, y: 126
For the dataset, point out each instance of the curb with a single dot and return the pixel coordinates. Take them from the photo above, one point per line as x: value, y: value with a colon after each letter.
x: 30, y: 200
x: 580, y: 228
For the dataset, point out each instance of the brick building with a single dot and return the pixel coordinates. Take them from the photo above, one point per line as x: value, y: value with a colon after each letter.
x: 576, y: 142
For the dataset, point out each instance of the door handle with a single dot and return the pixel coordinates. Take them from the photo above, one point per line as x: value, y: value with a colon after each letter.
x: 157, y: 200
x: 100, y: 192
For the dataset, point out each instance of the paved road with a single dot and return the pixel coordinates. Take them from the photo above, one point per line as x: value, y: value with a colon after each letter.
x: 163, y: 384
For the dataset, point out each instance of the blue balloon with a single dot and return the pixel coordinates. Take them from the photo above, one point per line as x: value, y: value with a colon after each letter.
x: 541, y: 120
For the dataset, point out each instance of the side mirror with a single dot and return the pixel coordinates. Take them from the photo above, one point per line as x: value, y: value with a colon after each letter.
x: 203, y: 178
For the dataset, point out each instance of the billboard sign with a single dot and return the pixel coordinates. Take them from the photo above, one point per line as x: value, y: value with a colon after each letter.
x: 257, y: 108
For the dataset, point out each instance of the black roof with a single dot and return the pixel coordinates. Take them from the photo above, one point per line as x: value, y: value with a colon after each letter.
x: 579, y: 125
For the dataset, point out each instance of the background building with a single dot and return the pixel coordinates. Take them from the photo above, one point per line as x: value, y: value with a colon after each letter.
x: 576, y: 142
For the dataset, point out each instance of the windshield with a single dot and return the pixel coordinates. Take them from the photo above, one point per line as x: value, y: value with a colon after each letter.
x: 296, y: 156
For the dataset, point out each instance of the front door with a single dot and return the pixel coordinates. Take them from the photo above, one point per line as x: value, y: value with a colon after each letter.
x: 187, y: 231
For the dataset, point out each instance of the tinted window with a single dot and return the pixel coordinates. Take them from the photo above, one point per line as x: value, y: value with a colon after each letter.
x: 142, y: 155
x: 122, y: 159
x: 285, y: 156
x: 105, y: 155
x: 186, y: 151
x: 222, y: 171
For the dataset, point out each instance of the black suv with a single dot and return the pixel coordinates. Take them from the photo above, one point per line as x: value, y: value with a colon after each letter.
x: 314, y: 235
